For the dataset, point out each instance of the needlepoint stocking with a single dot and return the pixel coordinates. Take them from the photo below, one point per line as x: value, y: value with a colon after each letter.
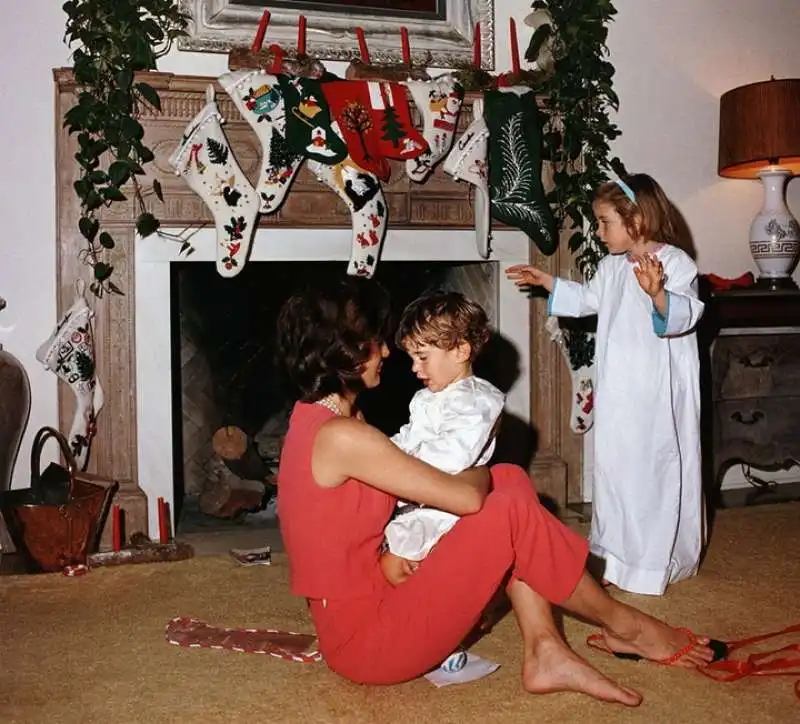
x: 205, y: 161
x: 581, y: 368
x: 515, y: 164
x: 310, y: 131
x: 468, y: 161
x: 375, y: 121
x: 439, y: 102
x: 258, y: 97
x: 69, y: 353
x: 361, y: 192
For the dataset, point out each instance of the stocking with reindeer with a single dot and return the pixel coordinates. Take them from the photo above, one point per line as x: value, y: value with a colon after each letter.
x: 258, y: 97
x: 69, y: 353
x: 205, y: 160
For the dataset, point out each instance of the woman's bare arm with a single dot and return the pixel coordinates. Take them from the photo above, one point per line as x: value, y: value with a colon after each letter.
x: 348, y: 448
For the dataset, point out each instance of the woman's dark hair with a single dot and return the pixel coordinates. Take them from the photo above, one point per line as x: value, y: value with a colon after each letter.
x: 326, y: 333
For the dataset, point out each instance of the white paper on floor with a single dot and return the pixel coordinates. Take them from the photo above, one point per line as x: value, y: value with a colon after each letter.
x: 475, y: 668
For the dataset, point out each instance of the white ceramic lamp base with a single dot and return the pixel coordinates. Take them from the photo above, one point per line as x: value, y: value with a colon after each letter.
x: 775, y: 233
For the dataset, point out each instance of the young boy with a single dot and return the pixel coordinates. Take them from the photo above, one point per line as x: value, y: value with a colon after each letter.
x: 453, y: 419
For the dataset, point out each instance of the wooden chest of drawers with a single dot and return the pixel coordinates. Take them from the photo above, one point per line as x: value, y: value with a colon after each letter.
x: 751, y: 384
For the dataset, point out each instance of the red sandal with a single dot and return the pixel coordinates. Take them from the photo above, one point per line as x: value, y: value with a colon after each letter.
x: 720, y: 648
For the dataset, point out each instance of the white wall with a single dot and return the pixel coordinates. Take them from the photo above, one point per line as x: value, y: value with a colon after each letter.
x: 674, y: 58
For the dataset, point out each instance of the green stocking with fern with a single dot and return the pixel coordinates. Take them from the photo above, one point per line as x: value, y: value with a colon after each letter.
x: 515, y: 165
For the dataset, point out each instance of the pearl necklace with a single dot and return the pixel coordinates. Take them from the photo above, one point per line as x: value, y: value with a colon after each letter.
x: 331, y: 404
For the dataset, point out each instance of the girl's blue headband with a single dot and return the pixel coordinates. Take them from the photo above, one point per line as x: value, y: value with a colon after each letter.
x: 627, y: 190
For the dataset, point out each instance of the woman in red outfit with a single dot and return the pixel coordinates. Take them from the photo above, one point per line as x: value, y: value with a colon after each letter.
x: 378, y: 621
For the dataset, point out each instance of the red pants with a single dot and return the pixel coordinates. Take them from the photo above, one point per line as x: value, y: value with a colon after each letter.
x: 397, y: 634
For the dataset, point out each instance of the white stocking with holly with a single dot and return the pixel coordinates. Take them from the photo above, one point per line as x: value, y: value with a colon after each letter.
x: 582, y: 408
x: 259, y: 99
x: 206, y: 162
x: 362, y: 192
x: 69, y: 353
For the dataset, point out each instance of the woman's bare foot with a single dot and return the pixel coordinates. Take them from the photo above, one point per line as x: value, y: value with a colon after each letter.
x: 638, y: 633
x: 551, y: 667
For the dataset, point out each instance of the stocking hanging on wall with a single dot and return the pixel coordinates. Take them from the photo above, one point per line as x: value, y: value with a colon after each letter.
x: 515, y: 164
x: 206, y: 162
x: 581, y: 413
x: 258, y: 97
x: 375, y: 121
x: 362, y: 192
x: 310, y: 130
x: 69, y: 353
x: 439, y: 102
x: 468, y: 161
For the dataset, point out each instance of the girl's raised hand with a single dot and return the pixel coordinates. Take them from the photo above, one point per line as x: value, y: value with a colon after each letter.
x: 650, y: 274
x: 529, y: 276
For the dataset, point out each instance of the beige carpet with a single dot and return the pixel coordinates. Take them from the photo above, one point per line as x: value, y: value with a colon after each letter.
x: 91, y: 649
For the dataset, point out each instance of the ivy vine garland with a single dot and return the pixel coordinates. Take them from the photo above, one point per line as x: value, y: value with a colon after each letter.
x: 115, y: 39
x: 578, y: 130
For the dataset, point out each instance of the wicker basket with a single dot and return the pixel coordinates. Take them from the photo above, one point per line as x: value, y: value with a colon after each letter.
x: 56, y: 522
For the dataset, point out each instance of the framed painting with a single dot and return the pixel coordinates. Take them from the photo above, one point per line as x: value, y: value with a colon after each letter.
x: 440, y: 31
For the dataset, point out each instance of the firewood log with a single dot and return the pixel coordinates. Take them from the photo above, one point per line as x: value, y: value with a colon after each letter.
x: 239, y: 453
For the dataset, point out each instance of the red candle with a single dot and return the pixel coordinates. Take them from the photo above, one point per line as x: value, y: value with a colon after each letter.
x: 476, y: 47
x: 116, y: 530
x: 262, y: 29
x: 301, y: 36
x: 163, y: 521
x: 362, y: 46
x: 514, y: 46
x: 405, y: 45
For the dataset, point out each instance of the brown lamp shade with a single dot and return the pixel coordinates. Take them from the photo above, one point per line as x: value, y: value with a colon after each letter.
x: 759, y: 125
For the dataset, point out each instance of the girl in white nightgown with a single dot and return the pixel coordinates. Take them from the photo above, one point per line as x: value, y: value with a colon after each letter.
x: 647, y: 507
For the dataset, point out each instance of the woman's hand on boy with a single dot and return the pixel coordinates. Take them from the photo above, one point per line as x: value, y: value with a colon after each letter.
x: 529, y: 276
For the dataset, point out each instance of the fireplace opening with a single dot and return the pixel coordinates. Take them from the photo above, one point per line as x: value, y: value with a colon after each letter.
x: 225, y: 379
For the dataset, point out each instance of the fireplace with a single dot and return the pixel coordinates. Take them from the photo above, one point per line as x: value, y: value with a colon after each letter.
x: 452, y: 253
x: 430, y: 222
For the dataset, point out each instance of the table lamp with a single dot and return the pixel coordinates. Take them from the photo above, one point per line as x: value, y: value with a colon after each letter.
x: 759, y: 137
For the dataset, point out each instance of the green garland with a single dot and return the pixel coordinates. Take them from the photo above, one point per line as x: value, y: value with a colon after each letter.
x: 578, y: 129
x: 115, y: 39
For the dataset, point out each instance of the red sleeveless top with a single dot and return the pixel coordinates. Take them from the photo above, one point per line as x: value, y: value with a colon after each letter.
x: 332, y: 535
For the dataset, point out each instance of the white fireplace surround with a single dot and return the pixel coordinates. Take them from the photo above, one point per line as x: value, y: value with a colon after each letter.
x: 153, y: 256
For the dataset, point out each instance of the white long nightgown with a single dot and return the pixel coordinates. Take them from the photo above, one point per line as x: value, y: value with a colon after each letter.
x: 648, y: 518
x: 452, y: 430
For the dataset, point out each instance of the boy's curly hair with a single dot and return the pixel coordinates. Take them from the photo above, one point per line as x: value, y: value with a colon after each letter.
x: 325, y: 335
x: 444, y: 320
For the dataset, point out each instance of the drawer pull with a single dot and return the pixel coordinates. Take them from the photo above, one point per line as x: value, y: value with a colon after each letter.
x: 751, y: 419
x: 756, y: 361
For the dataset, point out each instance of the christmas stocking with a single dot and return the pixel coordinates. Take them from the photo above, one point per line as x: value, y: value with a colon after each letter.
x: 468, y: 161
x: 205, y: 161
x: 581, y: 416
x: 515, y: 164
x: 362, y: 193
x: 375, y: 121
x: 439, y: 102
x: 258, y: 98
x: 310, y: 130
x: 69, y: 353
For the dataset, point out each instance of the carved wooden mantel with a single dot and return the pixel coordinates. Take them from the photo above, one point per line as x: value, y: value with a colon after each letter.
x: 439, y: 203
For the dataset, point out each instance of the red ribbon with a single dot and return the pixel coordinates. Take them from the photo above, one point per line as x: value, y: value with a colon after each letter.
x: 784, y: 661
